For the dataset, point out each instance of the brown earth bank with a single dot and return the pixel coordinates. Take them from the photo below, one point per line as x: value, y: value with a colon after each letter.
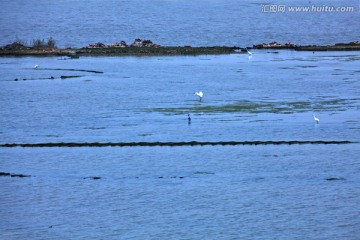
x: 147, y: 48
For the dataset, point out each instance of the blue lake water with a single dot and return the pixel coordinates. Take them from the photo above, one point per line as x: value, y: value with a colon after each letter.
x: 198, y: 192
x: 77, y: 23
x: 270, y: 96
x: 217, y: 192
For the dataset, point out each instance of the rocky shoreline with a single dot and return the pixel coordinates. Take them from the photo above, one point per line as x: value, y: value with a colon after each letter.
x: 137, y: 48
x: 352, y: 46
x: 148, y: 48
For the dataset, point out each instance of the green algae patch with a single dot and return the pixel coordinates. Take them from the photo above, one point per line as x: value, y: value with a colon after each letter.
x: 280, y: 107
x: 254, y: 107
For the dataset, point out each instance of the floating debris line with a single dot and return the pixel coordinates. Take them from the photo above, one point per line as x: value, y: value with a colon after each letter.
x: 169, y: 144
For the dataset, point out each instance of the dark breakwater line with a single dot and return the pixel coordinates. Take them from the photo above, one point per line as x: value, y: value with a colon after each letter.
x: 5, y: 174
x: 48, y: 78
x: 169, y: 144
x: 71, y: 69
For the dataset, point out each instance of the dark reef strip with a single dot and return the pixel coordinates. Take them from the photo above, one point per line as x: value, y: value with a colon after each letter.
x: 93, y: 178
x: 74, y: 76
x: 335, y: 179
x: 5, y: 174
x: 169, y: 144
x: 71, y: 69
x: 48, y: 78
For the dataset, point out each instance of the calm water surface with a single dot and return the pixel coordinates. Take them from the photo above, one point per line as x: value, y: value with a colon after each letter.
x: 246, y: 192
x: 218, y: 192
x: 181, y: 22
x: 270, y: 96
x: 209, y: 192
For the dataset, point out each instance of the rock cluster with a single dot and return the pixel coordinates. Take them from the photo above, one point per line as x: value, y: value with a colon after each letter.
x: 137, y: 43
x: 143, y: 43
x: 274, y: 45
x: 119, y: 44
x: 97, y: 45
x: 348, y: 44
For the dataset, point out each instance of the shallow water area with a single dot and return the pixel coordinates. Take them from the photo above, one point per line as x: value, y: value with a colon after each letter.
x: 189, y: 192
x: 217, y: 192
x: 130, y: 99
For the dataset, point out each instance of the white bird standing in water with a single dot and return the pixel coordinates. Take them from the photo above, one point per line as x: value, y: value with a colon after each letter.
x: 248, y: 52
x: 316, y: 119
x: 200, y: 95
x: 36, y: 66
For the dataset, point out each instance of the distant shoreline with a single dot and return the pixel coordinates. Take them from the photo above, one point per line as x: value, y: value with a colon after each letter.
x: 147, y: 48
x: 352, y: 46
x: 126, y: 51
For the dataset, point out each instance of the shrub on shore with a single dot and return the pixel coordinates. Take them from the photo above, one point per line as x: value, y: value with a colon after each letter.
x: 37, y: 44
x: 41, y: 43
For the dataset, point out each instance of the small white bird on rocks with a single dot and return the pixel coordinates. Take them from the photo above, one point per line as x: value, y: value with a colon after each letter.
x: 36, y: 66
x: 200, y: 95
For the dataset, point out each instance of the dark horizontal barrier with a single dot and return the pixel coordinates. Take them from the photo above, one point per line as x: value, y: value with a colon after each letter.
x: 170, y: 144
x: 71, y: 69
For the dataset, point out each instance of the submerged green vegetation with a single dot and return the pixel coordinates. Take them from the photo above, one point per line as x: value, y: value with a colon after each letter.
x: 280, y: 107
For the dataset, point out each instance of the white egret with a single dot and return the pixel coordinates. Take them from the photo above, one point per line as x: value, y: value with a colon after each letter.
x: 316, y: 119
x: 36, y: 66
x: 248, y: 52
x: 200, y: 95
